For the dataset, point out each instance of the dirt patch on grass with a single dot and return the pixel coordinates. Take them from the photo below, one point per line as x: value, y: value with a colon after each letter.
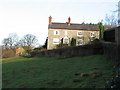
x: 95, y: 74
x: 53, y: 82
x: 76, y: 80
x: 84, y: 74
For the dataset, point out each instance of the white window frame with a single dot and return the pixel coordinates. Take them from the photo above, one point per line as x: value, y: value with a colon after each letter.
x: 58, y: 33
x: 56, y: 40
x: 64, y: 41
x: 80, y: 32
x: 80, y: 43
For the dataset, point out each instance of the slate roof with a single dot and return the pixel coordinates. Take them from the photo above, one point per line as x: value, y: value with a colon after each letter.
x: 73, y: 26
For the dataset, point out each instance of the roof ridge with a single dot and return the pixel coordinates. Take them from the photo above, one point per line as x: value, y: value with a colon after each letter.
x: 72, y: 23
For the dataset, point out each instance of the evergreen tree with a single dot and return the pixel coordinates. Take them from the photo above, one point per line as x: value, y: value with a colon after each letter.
x: 102, y: 28
x: 73, y: 42
x: 46, y: 42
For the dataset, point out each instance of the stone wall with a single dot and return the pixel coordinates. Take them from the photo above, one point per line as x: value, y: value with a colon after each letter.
x: 111, y: 46
x: 112, y: 51
x: 85, y: 50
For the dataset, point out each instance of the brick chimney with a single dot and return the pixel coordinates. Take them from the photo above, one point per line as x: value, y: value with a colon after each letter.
x: 50, y: 20
x: 69, y: 20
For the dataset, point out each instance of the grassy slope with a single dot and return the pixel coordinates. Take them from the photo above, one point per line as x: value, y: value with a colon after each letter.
x: 20, y: 72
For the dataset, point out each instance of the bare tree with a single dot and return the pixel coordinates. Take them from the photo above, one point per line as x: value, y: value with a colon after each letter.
x: 11, y: 41
x: 13, y: 38
x: 6, y: 42
x: 19, y: 43
x: 29, y: 40
x: 111, y: 20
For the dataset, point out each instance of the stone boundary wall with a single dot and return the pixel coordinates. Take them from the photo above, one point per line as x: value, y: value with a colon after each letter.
x: 85, y: 50
x: 111, y: 50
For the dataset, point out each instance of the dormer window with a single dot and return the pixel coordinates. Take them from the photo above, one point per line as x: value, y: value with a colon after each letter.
x: 56, y: 32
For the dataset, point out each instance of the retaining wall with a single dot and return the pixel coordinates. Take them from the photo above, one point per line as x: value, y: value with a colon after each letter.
x: 111, y: 50
x: 85, y: 50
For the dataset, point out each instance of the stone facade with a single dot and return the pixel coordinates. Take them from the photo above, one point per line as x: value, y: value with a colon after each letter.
x: 63, y: 33
x: 66, y: 31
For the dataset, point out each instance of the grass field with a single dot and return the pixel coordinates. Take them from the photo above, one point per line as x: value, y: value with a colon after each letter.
x: 44, y: 72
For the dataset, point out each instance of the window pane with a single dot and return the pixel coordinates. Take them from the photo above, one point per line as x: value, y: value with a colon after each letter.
x: 56, y: 32
x: 92, y: 34
x: 55, y: 41
x: 66, y: 41
x: 79, y: 42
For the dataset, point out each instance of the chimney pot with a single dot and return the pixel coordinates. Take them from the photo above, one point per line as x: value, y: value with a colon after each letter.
x: 50, y: 20
x: 69, y: 19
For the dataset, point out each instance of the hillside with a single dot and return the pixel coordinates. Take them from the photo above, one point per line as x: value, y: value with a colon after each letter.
x: 44, y: 72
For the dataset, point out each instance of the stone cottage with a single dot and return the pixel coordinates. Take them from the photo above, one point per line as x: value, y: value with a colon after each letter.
x: 83, y: 33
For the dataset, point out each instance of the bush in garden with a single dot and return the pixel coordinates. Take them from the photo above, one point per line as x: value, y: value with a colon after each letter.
x: 73, y: 42
x: 61, y: 45
x: 7, y: 53
x: 114, y: 82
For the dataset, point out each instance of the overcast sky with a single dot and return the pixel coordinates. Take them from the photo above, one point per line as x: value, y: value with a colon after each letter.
x: 31, y: 16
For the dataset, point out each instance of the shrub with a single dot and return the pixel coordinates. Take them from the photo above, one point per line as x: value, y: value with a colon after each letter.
x: 7, y: 53
x: 114, y: 82
x: 95, y: 41
x: 38, y: 48
x: 61, y: 45
x: 73, y: 42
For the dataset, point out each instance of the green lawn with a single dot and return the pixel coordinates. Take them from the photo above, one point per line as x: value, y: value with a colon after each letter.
x: 44, y: 72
